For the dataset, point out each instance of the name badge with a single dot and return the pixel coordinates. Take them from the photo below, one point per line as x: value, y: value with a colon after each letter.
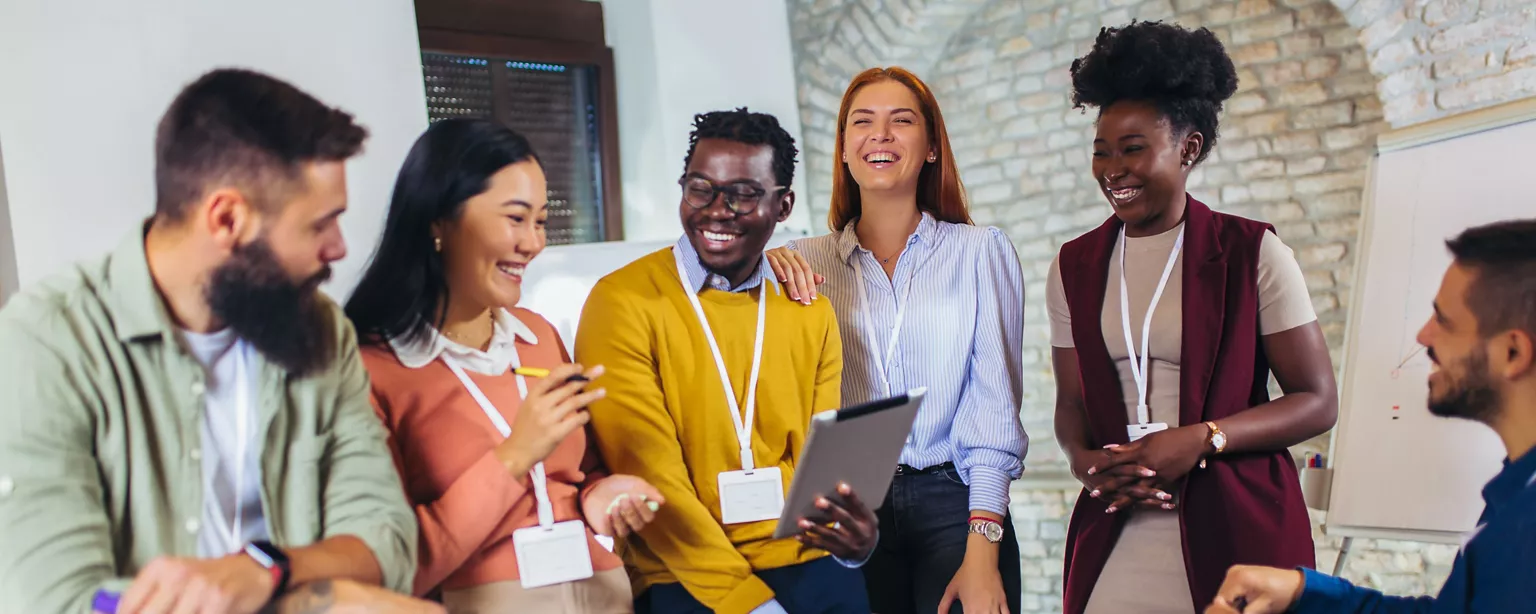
x: 751, y: 496
x: 552, y: 555
x: 1137, y: 431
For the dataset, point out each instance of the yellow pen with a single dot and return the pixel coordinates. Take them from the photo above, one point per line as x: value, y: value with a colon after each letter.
x: 541, y: 373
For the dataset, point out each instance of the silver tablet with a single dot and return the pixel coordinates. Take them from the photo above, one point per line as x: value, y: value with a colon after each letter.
x: 859, y: 445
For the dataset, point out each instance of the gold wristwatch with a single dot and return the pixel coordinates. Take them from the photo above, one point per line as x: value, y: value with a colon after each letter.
x: 1217, y: 440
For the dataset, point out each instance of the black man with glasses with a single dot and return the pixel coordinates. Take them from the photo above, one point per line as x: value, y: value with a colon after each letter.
x: 712, y: 375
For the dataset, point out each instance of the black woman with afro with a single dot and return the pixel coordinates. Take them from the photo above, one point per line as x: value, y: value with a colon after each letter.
x: 1166, y: 322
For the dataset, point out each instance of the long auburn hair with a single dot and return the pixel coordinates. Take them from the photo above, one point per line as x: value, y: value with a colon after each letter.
x: 939, y: 191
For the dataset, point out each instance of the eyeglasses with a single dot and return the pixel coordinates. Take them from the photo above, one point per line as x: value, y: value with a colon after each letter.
x: 740, y: 198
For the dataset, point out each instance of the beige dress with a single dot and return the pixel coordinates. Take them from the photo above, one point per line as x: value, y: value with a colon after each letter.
x: 1145, y: 572
x: 606, y: 592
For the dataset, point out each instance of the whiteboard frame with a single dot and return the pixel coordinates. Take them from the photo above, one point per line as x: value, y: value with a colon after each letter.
x: 1443, y: 129
x: 1456, y: 126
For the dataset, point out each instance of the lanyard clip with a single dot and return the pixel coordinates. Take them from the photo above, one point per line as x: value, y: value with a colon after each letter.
x: 746, y: 458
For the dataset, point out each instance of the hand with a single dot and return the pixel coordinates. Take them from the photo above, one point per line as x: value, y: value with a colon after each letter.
x: 1257, y: 590
x: 1136, y: 483
x: 233, y: 583
x: 794, y: 271
x: 1169, y: 455
x: 852, y: 531
x: 348, y: 597
x: 621, y: 504
x: 554, y: 408
x: 978, y: 584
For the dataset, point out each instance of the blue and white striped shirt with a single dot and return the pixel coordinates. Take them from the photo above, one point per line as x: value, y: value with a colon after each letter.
x: 700, y: 277
x: 962, y: 337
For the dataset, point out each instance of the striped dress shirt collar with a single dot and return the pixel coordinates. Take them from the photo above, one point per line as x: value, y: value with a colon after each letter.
x: 848, y: 240
x: 700, y: 278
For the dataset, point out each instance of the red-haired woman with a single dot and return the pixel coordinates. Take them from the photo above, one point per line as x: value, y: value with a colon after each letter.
x: 924, y: 299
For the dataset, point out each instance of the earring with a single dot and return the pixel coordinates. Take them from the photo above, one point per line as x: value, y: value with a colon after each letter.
x: 1189, y: 163
x: 437, y: 243
x: 933, y: 158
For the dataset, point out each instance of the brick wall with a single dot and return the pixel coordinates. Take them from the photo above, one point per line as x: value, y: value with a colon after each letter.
x: 1319, y: 81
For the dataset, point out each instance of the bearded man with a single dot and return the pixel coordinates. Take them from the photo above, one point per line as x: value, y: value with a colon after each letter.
x: 186, y: 421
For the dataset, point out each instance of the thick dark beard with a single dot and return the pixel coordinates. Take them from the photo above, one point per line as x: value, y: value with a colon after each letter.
x: 1473, y: 395
x: 281, y: 318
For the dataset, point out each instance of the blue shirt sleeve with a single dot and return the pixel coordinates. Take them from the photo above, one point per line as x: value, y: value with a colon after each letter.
x: 1325, y: 594
x: 989, y: 440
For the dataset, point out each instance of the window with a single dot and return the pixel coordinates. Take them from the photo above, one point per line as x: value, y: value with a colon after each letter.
x: 553, y: 83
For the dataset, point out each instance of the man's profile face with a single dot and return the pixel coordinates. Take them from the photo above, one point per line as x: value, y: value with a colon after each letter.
x: 267, y: 290
x: 1461, y: 385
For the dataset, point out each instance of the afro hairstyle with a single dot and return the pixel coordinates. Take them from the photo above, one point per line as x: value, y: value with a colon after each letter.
x: 750, y: 128
x: 1185, y: 74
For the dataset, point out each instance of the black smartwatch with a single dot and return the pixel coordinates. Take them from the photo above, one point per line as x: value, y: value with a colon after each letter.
x: 275, y: 561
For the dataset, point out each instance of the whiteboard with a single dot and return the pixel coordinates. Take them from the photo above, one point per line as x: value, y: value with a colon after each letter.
x: 557, y: 282
x: 1398, y: 471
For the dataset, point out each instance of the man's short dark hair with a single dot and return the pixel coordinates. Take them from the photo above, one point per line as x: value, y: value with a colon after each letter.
x: 1503, y: 294
x: 244, y: 129
x: 744, y: 126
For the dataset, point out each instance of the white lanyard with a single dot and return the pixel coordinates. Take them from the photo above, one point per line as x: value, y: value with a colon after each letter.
x: 881, y: 360
x: 1139, y: 370
x: 743, y: 423
x: 233, y: 532
x: 540, y: 489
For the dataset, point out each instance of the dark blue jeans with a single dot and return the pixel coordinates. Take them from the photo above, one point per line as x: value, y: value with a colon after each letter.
x: 821, y: 586
x: 924, y: 525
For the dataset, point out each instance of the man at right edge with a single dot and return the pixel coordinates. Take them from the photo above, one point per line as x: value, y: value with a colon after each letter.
x: 1482, y: 341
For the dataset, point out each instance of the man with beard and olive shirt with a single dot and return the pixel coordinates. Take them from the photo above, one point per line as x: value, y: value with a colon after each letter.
x: 187, y: 424
x: 1482, y: 341
x: 691, y: 335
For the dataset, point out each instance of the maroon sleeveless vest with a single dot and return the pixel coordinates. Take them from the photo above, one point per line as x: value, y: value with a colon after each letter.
x: 1242, y: 508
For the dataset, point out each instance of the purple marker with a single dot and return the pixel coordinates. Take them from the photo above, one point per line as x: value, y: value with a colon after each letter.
x: 105, y: 602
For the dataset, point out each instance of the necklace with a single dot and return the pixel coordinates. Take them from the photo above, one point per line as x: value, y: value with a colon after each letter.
x: 460, y: 338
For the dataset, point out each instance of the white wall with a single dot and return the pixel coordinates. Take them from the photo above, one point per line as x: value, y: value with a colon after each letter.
x: 85, y: 82
x: 7, y: 251
x: 676, y: 58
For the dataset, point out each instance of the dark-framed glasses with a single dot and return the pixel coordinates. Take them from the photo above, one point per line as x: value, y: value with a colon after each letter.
x: 740, y: 198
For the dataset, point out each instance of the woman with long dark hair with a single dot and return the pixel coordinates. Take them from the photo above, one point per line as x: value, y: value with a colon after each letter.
x: 494, y: 456
x: 1166, y: 322
x: 924, y: 299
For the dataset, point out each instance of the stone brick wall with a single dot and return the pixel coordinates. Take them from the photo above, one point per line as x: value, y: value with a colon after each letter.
x: 1319, y: 81
x: 1441, y: 57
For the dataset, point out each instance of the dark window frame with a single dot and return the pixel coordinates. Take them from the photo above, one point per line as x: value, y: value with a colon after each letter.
x: 554, y: 31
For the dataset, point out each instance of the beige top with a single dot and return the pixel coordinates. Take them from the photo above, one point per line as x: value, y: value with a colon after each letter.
x: 1145, y: 573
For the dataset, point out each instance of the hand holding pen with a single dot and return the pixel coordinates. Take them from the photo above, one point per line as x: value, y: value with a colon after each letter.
x: 556, y: 406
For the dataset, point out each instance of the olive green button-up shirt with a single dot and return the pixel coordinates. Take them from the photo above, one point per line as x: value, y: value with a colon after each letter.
x: 100, y: 430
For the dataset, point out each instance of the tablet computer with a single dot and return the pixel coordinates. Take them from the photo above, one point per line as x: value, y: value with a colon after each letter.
x: 859, y: 445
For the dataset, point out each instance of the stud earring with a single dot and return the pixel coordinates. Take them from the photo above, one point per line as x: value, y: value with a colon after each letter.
x: 437, y: 243
x: 933, y: 158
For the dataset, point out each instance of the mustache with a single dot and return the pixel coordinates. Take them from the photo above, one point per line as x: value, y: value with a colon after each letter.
x: 1430, y: 352
x: 314, y: 281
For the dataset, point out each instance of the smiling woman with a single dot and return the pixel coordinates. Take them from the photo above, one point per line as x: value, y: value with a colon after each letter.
x: 485, y: 453
x: 925, y: 299
x: 1165, y: 324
